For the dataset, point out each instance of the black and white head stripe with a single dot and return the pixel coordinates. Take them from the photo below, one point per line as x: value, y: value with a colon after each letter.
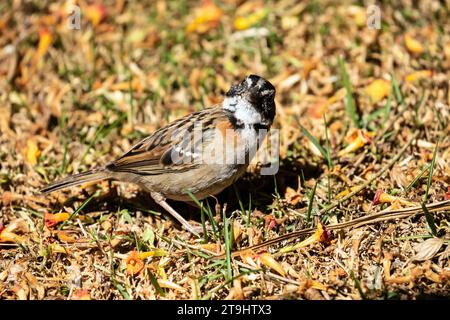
x: 251, y: 101
x: 253, y: 84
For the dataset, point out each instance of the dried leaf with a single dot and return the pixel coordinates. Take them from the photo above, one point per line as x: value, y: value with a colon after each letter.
x: 213, y: 247
x: 293, y: 197
x: 237, y: 230
x: 427, y: 249
x: 18, y: 225
x: 236, y: 292
x: 21, y: 290
x: 57, y: 248
x: 35, y: 285
x: 170, y: 285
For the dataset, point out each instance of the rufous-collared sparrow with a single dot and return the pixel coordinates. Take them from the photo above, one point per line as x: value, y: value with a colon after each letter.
x: 201, y: 153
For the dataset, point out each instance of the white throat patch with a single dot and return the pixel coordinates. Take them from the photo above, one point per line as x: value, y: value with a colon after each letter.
x: 242, y: 110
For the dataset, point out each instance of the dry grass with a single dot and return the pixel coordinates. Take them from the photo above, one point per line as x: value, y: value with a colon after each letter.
x: 74, y: 99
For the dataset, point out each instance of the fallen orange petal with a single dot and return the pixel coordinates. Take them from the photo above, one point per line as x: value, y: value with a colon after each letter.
x: 378, y: 89
x: 358, y: 14
x: 247, y: 257
x: 96, y: 13
x: 413, y: 45
x: 32, y: 152
x: 6, y: 236
x: 360, y: 139
x: 342, y: 194
x: 321, y: 235
x: 63, y: 236
x: 382, y: 197
x: 325, y: 236
x: 156, y: 253
x: 447, y: 195
x: 376, y: 198
x: 308, y: 66
x: 309, y: 283
x: 417, y: 75
x: 134, y: 264
x: 267, y: 260
x: 206, y: 18
x: 45, y: 40
x: 81, y: 294
x: 242, y: 23
x: 52, y: 220
x: 319, y: 108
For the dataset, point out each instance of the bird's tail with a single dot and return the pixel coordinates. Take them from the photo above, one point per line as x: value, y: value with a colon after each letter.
x: 77, y: 179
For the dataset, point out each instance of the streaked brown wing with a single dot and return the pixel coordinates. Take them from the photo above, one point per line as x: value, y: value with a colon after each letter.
x: 152, y: 155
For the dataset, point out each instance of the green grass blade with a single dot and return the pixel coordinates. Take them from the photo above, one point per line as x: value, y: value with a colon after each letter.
x: 416, y: 179
x: 430, y: 219
x: 397, y: 91
x: 314, y: 141
x: 208, y: 213
x: 387, y: 109
x: 430, y: 174
x: 428, y: 216
x: 227, y: 247
x: 310, y: 204
x: 327, y: 141
x: 122, y: 290
x: 212, y: 221
x: 202, y: 217
x: 156, y: 284
x: 357, y: 285
x: 350, y: 106
x: 241, y: 205
x: 85, y: 203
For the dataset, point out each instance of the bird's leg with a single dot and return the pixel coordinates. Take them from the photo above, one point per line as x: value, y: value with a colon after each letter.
x: 159, y: 199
